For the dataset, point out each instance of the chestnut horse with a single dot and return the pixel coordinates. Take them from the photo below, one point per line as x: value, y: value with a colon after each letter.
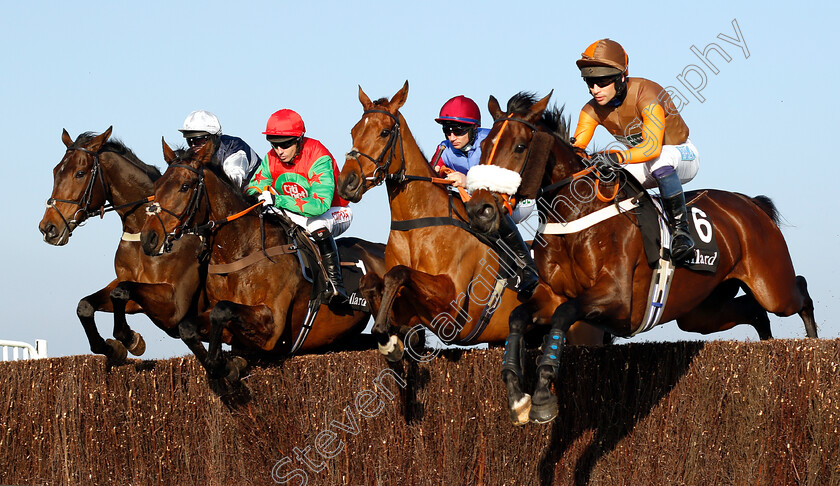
x: 258, y: 308
x: 98, y: 175
x: 602, y: 270
x: 439, y: 274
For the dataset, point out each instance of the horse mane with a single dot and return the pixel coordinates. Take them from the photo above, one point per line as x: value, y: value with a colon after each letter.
x: 116, y: 146
x: 553, y: 118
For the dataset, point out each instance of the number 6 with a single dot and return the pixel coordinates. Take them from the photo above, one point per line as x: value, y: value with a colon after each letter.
x: 703, y: 227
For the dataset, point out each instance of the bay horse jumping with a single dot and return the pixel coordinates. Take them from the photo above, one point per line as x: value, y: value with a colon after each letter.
x: 258, y: 298
x: 602, y: 269
x: 438, y: 273
x: 97, y: 175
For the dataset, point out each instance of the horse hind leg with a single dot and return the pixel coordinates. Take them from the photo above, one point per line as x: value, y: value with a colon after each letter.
x: 807, y: 311
x: 721, y: 311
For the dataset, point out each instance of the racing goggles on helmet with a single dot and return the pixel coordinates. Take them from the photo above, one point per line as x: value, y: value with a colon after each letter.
x: 601, y: 81
x: 198, y: 141
x: 283, y: 144
x: 456, y: 129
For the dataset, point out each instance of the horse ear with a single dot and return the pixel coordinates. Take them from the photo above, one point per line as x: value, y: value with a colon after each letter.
x: 539, y: 107
x: 364, y: 99
x: 398, y: 100
x: 494, y: 108
x: 205, y: 153
x: 65, y: 137
x: 100, y: 140
x: 168, y: 153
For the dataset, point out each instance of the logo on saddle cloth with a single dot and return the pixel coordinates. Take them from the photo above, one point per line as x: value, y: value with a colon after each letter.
x: 705, y: 255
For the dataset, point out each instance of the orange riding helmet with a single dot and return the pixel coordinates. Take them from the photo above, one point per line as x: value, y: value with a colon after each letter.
x: 605, y: 57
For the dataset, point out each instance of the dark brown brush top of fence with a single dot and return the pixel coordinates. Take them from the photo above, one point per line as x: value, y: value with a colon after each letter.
x: 676, y: 413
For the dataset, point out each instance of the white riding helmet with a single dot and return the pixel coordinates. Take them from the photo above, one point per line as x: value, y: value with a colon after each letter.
x: 202, y: 121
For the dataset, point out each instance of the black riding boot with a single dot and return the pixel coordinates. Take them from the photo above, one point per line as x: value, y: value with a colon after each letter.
x: 329, y: 257
x: 673, y: 200
x: 523, y: 264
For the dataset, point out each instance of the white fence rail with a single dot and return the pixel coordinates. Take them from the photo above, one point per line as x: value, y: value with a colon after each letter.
x: 21, y: 350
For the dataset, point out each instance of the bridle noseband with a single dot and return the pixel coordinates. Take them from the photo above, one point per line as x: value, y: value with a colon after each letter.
x: 185, y: 218
x: 380, y: 174
x: 85, y: 199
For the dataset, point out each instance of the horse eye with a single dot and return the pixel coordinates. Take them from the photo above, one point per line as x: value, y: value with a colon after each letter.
x: 385, y: 133
x: 520, y: 148
x: 80, y: 174
x: 185, y: 187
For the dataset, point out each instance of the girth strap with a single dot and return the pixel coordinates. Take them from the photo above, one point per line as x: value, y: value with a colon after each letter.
x: 250, y: 259
x: 427, y: 222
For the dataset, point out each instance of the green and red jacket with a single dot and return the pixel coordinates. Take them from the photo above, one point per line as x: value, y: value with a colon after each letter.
x: 306, y: 186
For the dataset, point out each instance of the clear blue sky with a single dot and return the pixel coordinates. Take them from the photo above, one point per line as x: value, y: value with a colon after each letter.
x: 142, y: 67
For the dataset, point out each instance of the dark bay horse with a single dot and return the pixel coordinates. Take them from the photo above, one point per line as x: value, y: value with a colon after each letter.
x: 259, y: 308
x: 602, y: 270
x: 97, y: 175
x: 439, y: 274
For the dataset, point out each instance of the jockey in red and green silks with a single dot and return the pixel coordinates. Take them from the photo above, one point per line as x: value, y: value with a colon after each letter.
x: 301, y: 173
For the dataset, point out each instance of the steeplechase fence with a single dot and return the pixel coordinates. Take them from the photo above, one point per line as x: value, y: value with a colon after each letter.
x: 652, y: 413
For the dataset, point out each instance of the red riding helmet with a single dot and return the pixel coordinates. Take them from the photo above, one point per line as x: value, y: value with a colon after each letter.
x: 285, y: 123
x: 460, y: 109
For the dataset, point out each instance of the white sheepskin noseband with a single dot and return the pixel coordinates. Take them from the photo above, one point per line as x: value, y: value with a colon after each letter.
x: 493, y: 178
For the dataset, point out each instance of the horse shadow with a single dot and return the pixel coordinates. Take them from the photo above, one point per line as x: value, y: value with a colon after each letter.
x: 609, y: 390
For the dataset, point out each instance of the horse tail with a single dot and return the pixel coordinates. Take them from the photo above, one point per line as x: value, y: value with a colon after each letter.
x: 766, y: 204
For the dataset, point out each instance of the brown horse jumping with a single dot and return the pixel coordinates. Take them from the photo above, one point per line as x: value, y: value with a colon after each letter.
x: 439, y: 274
x: 98, y: 175
x: 259, y: 308
x: 602, y: 270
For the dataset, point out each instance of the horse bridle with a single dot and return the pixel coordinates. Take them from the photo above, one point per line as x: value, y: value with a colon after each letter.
x: 380, y: 174
x: 185, y: 218
x: 85, y: 199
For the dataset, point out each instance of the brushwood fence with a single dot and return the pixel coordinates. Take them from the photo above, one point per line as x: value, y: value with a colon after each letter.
x: 677, y: 413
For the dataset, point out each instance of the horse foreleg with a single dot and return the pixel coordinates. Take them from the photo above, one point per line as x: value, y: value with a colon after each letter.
x: 131, y: 340
x: 519, y: 403
x: 544, y: 403
x: 423, y: 291
x: 86, y: 309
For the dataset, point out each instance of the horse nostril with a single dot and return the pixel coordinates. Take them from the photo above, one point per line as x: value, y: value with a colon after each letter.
x: 49, y: 231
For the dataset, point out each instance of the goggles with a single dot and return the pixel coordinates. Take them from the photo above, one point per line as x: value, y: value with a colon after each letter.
x: 601, y: 81
x: 457, y: 130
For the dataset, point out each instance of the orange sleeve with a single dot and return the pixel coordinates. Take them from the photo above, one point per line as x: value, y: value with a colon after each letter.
x: 585, y: 129
x: 653, y: 133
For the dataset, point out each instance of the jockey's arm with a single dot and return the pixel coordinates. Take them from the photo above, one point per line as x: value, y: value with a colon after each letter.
x: 585, y: 130
x: 320, y: 194
x: 653, y: 133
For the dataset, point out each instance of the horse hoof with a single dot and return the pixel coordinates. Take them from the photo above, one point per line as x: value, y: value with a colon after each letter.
x: 116, y: 352
x: 239, y: 363
x: 393, y: 351
x: 544, y: 413
x: 520, y: 410
x: 138, y: 344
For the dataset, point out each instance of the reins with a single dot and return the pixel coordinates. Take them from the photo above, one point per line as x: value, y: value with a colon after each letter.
x: 85, y: 199
x: 380, y: 174
x: 184, y: 219
x: 556, y: 185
